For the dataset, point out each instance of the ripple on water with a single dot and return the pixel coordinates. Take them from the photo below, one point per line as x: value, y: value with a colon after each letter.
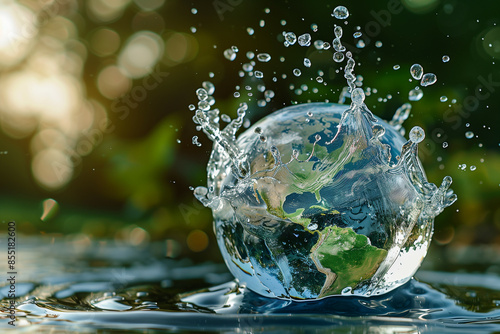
x: 128, y: 293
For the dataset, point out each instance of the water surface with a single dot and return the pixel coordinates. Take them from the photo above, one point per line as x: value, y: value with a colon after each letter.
x: 75, y: 286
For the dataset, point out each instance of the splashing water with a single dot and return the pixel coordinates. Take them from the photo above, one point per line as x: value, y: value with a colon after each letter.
x: 340, y: 12
x: 428, y: 79
x: 321, y: 199
x: 415, y: 95
x: 264, y: 57
x: 417, y: 71
x: 304, y: 40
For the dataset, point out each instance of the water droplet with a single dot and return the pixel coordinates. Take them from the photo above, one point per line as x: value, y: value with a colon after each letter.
x: 318, y: 44
x: 297, y: 72
x: 445, y: 144
x: 258, y: 130
x: 417, y: 71
x: 417, y: 134
x: 291, y: 38
x: 194, y: 11
x: 396, y: 67
x: 202, y: 94
x: 225, y: 118
x: 269, y: 94
x: 304, y: 40
x: 462, y: 166
x: 200, y: 191
x: 209, y: 87
x: 250, y: 31
x: 340, y: 12
x: 211, y: 100
x: 230, y: 54
x: 472, y: 168
x: 446, y: 59
x: 242, y: 109
x: 236, y: 94
x: 192, y: 107
x: 469, y: 134
x: 428, y: 79
x: 360, y: 44
x: 357, y: 34
x: 338, y: 57
x: 326, y: 45
x: 262, y: 23
x: 259, y: 74
x: 314, y: 27
x: 415, y: 95
x: 319, y: 79
x: 204, y: 105
x: 264, y: 57
x: 358, y: 96
x: 307, y: 62
x: 211, y: 74
x: 378, y: 44
x: 247, y: 67
x: 50, y: 209
x: 193, y: 29
x: 337, y: 30
x: 195, y: 142
x: 443, y: 98
x: 337, y: 45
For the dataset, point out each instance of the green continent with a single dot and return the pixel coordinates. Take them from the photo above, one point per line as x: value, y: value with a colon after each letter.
x: 348, y: 255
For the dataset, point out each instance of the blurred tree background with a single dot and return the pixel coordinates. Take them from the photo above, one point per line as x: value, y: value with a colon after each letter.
x: 96, y: 132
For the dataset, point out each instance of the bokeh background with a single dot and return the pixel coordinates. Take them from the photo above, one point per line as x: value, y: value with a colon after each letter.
x: 96, y: 133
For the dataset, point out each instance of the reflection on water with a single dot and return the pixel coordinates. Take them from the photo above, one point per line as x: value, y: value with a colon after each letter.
x: 127, y: 288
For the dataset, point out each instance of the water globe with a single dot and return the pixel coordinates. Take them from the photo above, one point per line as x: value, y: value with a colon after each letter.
x: 320, y: 199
